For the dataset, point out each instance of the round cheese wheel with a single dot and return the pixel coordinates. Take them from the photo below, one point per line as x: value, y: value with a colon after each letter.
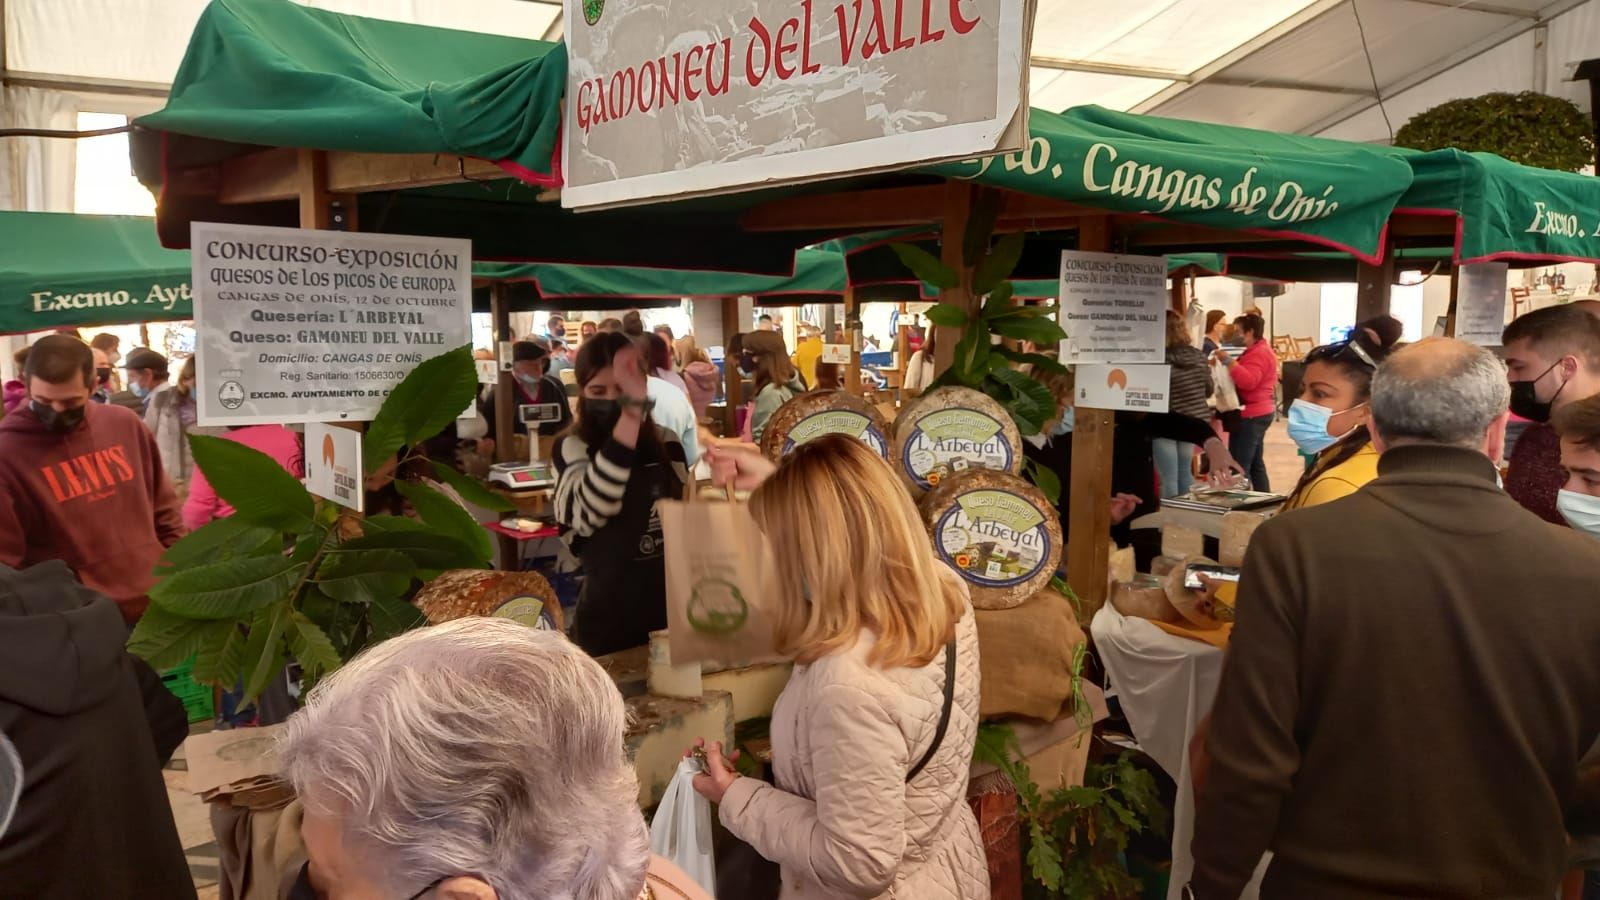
x: 810, y: 416
x: 998, y: 532
x: 951, y: 430
x: 1144, y: 597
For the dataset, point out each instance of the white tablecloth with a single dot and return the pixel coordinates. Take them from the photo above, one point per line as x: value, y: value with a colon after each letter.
x: 1166, y: 685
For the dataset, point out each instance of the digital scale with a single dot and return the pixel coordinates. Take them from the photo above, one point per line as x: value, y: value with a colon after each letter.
x: 522, y: 476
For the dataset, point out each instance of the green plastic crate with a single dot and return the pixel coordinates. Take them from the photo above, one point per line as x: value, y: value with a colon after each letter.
x: 196, y: 697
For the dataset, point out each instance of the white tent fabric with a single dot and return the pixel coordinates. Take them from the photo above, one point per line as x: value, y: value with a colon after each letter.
x: 1285, y: 65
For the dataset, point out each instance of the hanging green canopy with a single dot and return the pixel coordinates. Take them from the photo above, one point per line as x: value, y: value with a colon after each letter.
x: 264, y: 73
x: 59, y: 270
x: 1327, y: 192
x: 1505, y: 211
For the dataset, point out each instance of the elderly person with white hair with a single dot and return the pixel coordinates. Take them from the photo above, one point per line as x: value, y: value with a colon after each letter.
x: 475, y: 760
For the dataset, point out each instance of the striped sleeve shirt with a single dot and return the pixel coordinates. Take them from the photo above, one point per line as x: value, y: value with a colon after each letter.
x: 590, y: 486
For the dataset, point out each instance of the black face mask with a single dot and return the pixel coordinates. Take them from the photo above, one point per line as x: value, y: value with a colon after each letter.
x: 62, y: 422
x: 599, y: 419
x: 103, y: 374
x: 1525, y: 400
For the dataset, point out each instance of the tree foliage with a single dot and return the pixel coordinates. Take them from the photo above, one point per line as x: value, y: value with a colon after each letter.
x: 1529, y: 128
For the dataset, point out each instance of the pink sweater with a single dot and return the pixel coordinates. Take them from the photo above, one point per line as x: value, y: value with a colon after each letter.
x: 275, y: 441
x: 1255, y: 374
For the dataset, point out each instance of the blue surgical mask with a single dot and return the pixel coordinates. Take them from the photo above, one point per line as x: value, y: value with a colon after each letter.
x: 1308, y: 426
x: 1069, y: 419
x: 528, y: 380
x: 139, y: 390
x: 1581, y: 511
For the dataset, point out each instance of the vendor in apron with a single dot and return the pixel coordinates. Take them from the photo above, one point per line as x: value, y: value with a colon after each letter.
x: 610, y: 471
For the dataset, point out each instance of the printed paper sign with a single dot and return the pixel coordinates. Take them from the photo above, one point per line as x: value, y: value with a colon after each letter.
x: 488, y: 371
x: 677, y: 99
x: 1481, y: 303
x: 317, y: 326
x: 1135, y: 388
x: 836, y: 353
x: 1113, y: 308
x: 333, y: 464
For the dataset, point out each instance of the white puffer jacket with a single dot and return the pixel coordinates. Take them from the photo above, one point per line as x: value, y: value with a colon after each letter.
x: 846, y: 824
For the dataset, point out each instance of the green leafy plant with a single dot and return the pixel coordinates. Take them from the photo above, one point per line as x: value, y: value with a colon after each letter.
x: 979, y: 361
x: 290, y: 576
x: 1078, y: 836
x: 1529, y: 128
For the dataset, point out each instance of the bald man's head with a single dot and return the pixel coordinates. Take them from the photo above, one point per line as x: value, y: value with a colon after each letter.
x: 1441, y: 391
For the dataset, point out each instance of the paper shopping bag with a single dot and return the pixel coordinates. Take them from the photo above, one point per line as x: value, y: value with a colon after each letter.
x: 717, y: 568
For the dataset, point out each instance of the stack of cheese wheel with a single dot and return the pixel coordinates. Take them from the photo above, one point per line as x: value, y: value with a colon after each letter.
x: 810, y: 416
x: 951, y: 430
x: 998, y: 532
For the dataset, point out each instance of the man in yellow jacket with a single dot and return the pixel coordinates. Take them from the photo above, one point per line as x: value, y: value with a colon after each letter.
x: 808, y: 352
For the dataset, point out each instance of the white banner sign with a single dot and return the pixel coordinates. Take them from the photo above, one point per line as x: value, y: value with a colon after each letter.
x: 1113, y: 308
x: 333, y: 464
x: 1136, y: 388
x: 1481, y: 303
x: 676, y: 99
x: 318, y: 326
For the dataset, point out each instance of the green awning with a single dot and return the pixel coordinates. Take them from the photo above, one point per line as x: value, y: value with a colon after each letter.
x: 59, y: 270
x: 276, y: 74
x: 264, y: 73
x: 819, y: 277
x: 1327, y: 192
x: 1506, y: 211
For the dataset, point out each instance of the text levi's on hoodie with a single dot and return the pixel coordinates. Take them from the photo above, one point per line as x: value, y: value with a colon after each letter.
x: 94, y: 497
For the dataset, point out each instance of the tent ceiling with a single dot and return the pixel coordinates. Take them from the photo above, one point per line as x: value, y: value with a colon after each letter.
x: 1284, y: 65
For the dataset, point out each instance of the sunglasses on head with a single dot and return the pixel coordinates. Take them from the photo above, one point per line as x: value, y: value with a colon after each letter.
x: 1342, y: 348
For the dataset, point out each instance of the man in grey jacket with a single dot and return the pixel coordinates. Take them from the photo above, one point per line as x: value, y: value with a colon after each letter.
x: 1413, y: 675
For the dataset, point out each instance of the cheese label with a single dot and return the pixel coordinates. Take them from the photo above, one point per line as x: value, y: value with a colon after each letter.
x: 954, y: 440
x: 993, y: 538
x: 527, y: 610
x: 837, y: 421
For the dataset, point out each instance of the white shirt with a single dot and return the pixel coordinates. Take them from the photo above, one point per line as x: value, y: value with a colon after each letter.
x: 674, y: 413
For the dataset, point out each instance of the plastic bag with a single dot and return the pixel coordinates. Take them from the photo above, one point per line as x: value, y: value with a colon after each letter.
x: 681, y: 829
x: 1226, y: 398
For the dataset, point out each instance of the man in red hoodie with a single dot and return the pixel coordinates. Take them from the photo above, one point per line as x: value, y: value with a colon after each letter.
x: 82, y: 482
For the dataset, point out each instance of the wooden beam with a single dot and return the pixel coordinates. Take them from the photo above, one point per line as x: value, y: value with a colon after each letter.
x: 958, y: 200
x: 852, y: 320
x: 1089, y: 501
x: 885, y: 208
x: 1450, y: 311
x: 1178, y: 294
x: 311, y: 186
x: 1373, y: 283
x: 270, y: 175
x: 732, y: 381
x: 505, y: 407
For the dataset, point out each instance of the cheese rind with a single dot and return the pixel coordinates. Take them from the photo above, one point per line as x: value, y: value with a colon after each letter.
x: 664, y: 727
x: 755, y: 689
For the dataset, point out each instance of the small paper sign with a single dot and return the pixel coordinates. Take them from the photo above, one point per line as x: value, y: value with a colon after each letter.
x: 836, y: 353
x: 488, y: 371
x: 1481, y: 303
x: 1135, y: 388
x: 333, y: 464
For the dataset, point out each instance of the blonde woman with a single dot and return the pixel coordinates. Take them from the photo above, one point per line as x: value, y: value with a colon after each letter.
x: 869, y: 795
x: 700, y: 375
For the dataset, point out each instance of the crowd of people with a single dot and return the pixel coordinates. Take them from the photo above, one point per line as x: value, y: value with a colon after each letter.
x: 1409, y: 707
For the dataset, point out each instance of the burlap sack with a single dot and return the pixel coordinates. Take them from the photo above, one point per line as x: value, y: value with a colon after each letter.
x: 1025, y: 657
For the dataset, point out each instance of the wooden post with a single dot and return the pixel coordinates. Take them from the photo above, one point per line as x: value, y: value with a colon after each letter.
x: 1450, y: 311
x: 1372, y: 287
x: 1089, y: 501
x: 852, y: 319
x: 732, y: 383
x: 505, y: 405
x: 957, y: 210
x: 1178, y: 295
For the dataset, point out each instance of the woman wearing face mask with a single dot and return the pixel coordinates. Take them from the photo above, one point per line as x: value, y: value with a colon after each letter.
x: 611, y: 469
x: 763, y: 354
x: 1578, y: 501
x: 171, y: 416
x: 1330, y: 417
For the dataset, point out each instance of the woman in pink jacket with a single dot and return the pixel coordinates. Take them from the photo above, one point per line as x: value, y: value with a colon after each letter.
x: 203, y: 505
x: 872, y: 737
x: 1255, y: 374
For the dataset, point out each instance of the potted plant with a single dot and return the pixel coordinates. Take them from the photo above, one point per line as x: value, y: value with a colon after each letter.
x: 1529, y: 128
x: 291, y: 576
